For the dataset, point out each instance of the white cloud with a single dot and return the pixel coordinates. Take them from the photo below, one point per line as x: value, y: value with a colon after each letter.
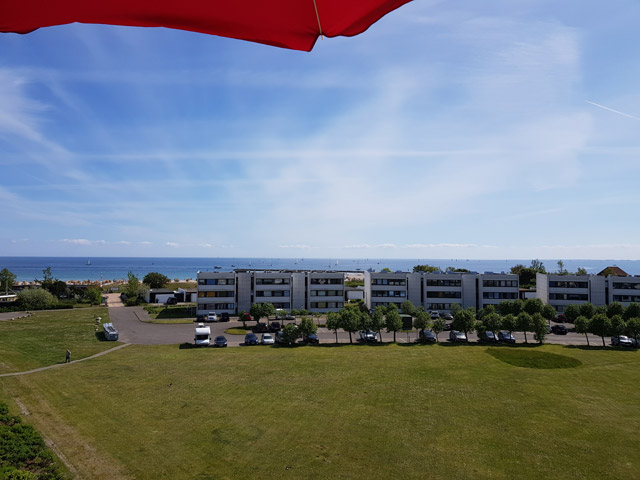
x: 172, y: 244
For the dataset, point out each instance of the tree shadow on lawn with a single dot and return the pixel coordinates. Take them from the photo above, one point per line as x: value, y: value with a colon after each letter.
x: 600, y: 347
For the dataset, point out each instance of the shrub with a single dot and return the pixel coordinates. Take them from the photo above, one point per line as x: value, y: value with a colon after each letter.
x: 36, y: 299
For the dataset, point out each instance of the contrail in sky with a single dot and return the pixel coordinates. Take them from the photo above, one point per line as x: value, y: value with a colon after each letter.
x: 612, y: 110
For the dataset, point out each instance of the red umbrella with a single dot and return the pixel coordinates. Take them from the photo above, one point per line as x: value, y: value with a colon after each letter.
x: 295, y: 24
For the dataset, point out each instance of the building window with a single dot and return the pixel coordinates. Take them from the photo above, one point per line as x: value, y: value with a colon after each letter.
x: 431, y: 282
x: 216, y: 281
x: 388, y: 293
x: 228, y: 293
x: 500, y: 295
x: 563, y: 284
x: 387, y: 281
x: 626, y: 286
x: 326, y: 293
x: 326, y: 281
x: 499, y: 283
x: 272, y: 281
x: 272, y: 293
x: 432, y: 294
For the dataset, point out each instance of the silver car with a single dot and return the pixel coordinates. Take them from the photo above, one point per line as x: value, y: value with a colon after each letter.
x: 456, y: 336
x: 267, y: 339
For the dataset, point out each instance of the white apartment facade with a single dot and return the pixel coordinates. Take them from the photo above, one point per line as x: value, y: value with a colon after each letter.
x: 560, y: 291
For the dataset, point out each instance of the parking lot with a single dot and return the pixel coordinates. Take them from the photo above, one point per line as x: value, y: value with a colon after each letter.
x: 131, y: 324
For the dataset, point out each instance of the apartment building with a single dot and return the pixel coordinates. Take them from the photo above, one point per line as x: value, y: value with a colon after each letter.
x: 495, y: 288
x: 216, y: 292
x: 560, y: 291
x: 325, y: 291
x: 383, y: 288
x: 624, y: 290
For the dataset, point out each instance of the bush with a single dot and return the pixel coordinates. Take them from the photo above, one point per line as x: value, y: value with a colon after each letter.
x: 23, y: 454
x: 36, y: 299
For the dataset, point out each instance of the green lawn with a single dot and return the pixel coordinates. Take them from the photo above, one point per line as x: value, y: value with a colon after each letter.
x: 347, y: 412
x: 42, y: 338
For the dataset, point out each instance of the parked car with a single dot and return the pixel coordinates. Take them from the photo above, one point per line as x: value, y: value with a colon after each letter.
x: 368, y: 336
x: 621, y: 341
x: 561, y: 318
x: 274, y: 327
x: 224, y: 317
x: 311, y: 338
x: 201, y: 318
x: 448, y: 327
x: 251, y: 339
x: 426, y: 336
x: 267, y: 339
x: 447, y: 316
x: 559, y: 329
x: 434, y: 314
x: 488, y: 336
x: 261, y: 328
x: 172, y: 301
x: 212, y: 317
x: 220, y: 341
x: 506, y: 337
x: 456, y: 336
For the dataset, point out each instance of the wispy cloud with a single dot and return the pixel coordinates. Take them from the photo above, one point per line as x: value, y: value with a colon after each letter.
x: 612, y: 110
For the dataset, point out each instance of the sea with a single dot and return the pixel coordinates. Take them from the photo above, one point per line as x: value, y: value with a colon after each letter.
x: 102, y: 269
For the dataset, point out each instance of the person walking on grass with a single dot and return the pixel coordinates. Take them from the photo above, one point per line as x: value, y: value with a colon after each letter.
x: 68, y: 357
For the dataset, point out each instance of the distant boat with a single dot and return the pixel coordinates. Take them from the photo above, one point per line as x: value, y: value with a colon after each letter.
x: 217, y: 267
x: 88, y: 261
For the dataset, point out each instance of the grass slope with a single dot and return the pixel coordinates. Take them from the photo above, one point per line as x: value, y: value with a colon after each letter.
x: 41, y: 339
x: 343, y: 412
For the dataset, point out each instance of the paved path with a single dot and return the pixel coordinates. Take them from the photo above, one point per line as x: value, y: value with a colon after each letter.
x: 58, y: 365
x: 13, y: 315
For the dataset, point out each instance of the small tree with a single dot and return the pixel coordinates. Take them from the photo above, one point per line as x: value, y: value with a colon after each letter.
x: 438, y: 326
x: 548, y: 312
x: 493, y: 322
x: 377, y: 321
x: 421, y: 321
x: 571, y: 312
x: 561, y: 269
x: 488, y: 310
x: 133, y: 286
x: 290, y: 333
x: 615, y: 308
x: 393, y: 320
x: 509, y: 323
x: 618, y: 326
x: 7, y: 280
x: 257, y: 311
x: 465, y: 320
x: 523, y: 323
x: 244, y: 318
x: 94, y: 295
x: 533, y: 306
x: 408, y: 308
x: 633, y: 328
x: 349, y: 321
x: 600, y: 325
x: 455, y: 308
x: 539, y: 326
x: 333, y: 322
x: 268, y: 310
x: 307, y: 327
x: 155, y: 280
x: 587, y: 310
x: 582, y: 326
x: 632, y: 311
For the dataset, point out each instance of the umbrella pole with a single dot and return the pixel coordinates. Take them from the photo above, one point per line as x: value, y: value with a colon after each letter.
x: 318, y: 17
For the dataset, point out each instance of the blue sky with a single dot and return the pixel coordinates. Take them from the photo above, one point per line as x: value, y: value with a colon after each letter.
x: 447, y: 130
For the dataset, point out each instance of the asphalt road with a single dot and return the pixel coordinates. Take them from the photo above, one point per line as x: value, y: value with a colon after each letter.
x: 133, y: 329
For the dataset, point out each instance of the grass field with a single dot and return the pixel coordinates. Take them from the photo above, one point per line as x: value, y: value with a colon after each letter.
x: 42, y: 338
x: 389, y: 411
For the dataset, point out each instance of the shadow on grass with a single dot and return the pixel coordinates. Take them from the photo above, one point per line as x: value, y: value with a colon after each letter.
x: 533, y: 359
x: 100, y: 336
x: 187, y: 346
x: 600, y: 347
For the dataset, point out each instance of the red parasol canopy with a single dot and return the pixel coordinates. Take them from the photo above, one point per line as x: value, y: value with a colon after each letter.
x: 294, y: 24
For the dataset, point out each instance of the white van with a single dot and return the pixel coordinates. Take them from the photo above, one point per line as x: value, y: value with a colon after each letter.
x: 212, y: 317
x: 203, y: 336
x: 110, y: 332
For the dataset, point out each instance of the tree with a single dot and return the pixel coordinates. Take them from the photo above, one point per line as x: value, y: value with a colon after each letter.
x: 408, y: 308
x: 455, y: 307
x: 333, y: 322
x: 632, y: 311
x: 615, y: 308
x: 600, y: 325
x: 36, y: 299
x: 425, y: 268
x: 421, y: 321
x: 307, y: 327
x: 548, y: 312
x: 133, y: 286
x: 386, y: 270
x: 633, y: 328
x: 493, y: 322
x: 47, y: 279
x: 268, y: 310
x: 582, y: 326
x: 377, y: 321
x: 571, y: 312
x: 94, y: 295
x: 618, y: 326
x: 523, y: 323
x: 290, y: 333
x: 393, y: 320
x: 527, y: 275
x: 349, y: 321
x: 561, y: 269
x: 438, y: 326
x: 488, y: 310
x: 7, y: 280
x: 155, y: 280
x: 539, y: 326
x: 257, y: 311
x: 465, y: 320
x: 587, y: 310
x: 533, y: 306
x: 538, y: 266
x: 244, y: 318
x: 509, y: 323
x: 513, y: 307
x: 581, y: 271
